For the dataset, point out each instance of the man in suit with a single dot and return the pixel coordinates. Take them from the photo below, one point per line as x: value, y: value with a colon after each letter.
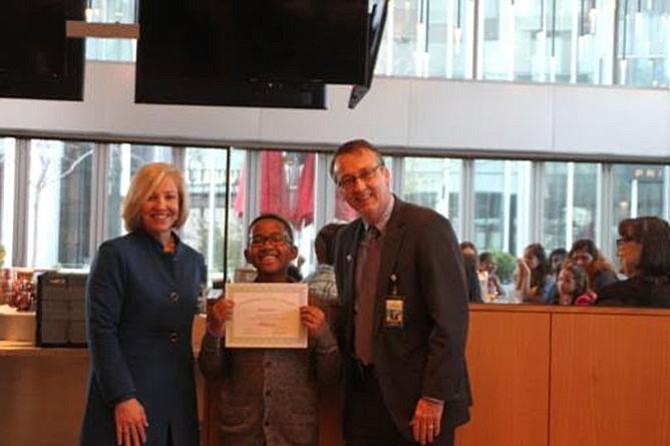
x: 404, y: 317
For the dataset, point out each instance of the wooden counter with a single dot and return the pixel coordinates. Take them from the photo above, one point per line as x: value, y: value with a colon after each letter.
x: 549, y: 376
x: 568, y: 376
x: 42, y: 394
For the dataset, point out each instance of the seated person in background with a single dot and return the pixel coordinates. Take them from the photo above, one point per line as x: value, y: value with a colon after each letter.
x: 573, y: 286
x: 493, y: 286
x: 475, y: 289
x: 644, y: 252
x: 556, y: 259
x: 321, y: 282
x: 585, y: 253
x: 534, y: 283
x: 269, y: 396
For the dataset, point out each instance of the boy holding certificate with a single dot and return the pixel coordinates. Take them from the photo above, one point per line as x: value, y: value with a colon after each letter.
x: 268, y: 396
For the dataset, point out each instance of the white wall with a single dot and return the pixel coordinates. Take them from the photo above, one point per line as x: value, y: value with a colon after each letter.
x: 412, y: 114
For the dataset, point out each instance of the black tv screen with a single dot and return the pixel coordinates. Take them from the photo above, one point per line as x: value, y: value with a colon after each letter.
x: 242, y: 52
x: 37, y: 61
x: 377, y: 20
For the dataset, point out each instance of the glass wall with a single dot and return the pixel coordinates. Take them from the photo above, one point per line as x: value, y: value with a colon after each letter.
x: 7, y: 194
x: 546, y: 41
x: 124, y: 161
x: 434, y: 183
x: 237, y: 211
x: 638, y: 190
x: 501, y: 205
x: 570, y: 203
x: 205, y: 175
x: 644, y: 43
x: 425, y: 38
x: 111, y: 11
x: 75, y: 189
x: 59, y: 200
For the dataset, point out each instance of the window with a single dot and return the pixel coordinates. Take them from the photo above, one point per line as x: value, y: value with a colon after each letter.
x: 644, y: 43
x: 570, y: 203
x: 501, y: 205
x: 205, y: 176
x: 75, y: 189
x: 637, y: 190
x: 111, y: 11
x: 124, y: 161
x: 7, y: 193
x: 434, y: 183
x: 59, y: 198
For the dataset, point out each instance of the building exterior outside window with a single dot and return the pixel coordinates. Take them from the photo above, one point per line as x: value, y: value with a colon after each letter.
x: 434, y: 183
x: 7, y: 193
x: 571, y: 207
x: 59, y: 204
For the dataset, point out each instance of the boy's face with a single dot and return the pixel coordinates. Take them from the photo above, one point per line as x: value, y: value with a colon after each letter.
x: 269, y: 248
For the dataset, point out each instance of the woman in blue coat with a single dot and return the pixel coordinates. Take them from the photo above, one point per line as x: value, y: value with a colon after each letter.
x: 141, y: 298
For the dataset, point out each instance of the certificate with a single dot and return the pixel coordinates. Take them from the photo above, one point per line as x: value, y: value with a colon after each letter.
x: 266, y: 315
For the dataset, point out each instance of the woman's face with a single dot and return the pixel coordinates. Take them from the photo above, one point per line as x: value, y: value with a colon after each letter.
x: 489, y: 265
x: 531, y: 259
x: 556, y: 261
x: 566, y: 282
x: 468, y: 252
x: 160, y: 210
x: 582, y: 258
x: 629, y: 252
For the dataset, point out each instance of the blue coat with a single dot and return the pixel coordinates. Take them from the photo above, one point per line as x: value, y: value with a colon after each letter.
x: 140, y: 304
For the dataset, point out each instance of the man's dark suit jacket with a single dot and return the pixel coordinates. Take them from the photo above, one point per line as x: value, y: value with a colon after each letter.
x: 425, y: 358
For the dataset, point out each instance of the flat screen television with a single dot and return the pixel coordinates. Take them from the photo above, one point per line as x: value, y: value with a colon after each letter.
x: 277, y: 53
x: 377, y: 20
x: 37, y: 60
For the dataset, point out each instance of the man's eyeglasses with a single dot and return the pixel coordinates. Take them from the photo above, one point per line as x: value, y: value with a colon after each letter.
x: 275, y: 239
x: 347, y: 182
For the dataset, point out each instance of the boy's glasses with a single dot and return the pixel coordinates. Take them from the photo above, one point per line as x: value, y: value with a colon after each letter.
x: 274, y: 239
x: 347, y: 182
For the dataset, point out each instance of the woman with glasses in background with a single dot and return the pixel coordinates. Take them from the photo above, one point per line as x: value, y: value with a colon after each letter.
x: 644, y: 252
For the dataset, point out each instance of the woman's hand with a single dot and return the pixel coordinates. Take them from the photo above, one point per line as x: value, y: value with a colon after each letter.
x: 522, y: 274
x: 564, y: 299
x: 131, y: 423
x: 314, y: 319
x: 220, y: 312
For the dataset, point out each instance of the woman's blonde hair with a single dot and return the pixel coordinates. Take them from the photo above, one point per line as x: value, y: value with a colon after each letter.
x: 143, y: 184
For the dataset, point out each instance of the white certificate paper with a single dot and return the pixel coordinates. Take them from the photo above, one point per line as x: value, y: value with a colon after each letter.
x: 266, y: 315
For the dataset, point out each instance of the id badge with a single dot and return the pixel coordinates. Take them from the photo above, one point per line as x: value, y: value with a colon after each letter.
x: 395, y: 311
